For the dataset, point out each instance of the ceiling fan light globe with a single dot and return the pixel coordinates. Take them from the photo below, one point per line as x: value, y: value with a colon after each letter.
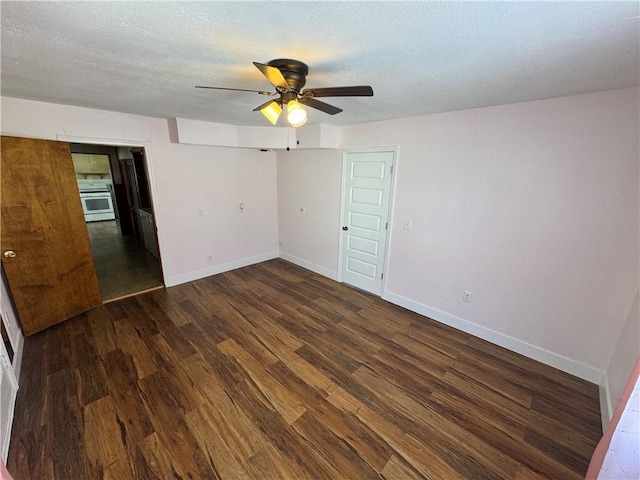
x: 272, y: 111
x: 296, y: 115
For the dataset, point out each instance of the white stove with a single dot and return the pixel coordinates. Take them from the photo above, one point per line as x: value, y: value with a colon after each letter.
x: 96, y: 199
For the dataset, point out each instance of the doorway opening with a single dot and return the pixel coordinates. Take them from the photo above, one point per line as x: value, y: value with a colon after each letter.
x: 113, y: 185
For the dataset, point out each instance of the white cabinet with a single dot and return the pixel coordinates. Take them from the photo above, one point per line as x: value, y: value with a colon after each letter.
x: 9, y: 366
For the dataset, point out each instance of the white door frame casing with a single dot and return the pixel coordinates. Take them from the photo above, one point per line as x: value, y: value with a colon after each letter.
x: 7, y: 377
x: 343, y: 196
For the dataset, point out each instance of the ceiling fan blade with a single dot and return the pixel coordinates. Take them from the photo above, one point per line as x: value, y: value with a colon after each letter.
x: 357, y: 91
x: 260, y: 92
x: 257, y: 109
x: 325, y: 107
x: 274, y: 76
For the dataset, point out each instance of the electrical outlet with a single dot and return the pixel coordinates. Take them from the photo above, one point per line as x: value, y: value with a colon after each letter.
x: 466, y: 296
x: 408, y: 223
x: 303, y: 209
x: 200, y: 212
x: 210, y: 257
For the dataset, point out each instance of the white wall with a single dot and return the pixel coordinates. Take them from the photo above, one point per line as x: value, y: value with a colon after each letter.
x: 311, y: 180
x: 186, y: 178
x: 533, y: 207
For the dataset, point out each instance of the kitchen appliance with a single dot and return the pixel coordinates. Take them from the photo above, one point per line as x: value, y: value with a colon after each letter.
x: 97, y: 201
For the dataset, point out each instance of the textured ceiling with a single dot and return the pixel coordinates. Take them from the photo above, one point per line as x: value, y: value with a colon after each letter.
x: 419, y: 57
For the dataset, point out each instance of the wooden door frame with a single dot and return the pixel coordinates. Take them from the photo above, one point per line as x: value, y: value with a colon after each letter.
x: 392, y: 197
x: 151, y: 177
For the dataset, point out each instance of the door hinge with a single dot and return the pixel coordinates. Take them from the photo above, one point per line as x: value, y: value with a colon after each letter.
x: 386, y: 226
x: 391, y: 171
x: 381, y: 276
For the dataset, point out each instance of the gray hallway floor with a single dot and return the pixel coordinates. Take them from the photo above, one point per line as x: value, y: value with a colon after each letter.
x: 122, y: 264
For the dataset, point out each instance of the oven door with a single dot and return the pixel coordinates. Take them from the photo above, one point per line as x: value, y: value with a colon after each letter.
x: 97, y: 206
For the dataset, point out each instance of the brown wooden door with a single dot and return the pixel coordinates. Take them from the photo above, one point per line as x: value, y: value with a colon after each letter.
x: 52, y: 276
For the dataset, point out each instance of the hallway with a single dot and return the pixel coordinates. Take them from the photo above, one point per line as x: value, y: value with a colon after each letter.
x: 123, y: 265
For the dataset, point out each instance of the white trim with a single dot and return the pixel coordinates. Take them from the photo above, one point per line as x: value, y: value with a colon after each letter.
x: 606, y: 405
x: 343, y: 185
x: 17, y: 358
x: 310, y: 266
x: 560, y: 362
x: 225, y: 267
x: 8, y: 376
x: 11, y: 414
x: 390, y: 217
x: 151, y: 177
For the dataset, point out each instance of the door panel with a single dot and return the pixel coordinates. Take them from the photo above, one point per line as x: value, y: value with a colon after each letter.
x: 52, y: 276
x: 365, y: 214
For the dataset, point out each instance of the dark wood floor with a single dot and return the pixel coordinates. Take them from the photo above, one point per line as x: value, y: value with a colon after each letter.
x: 273, y: 372
x: 123, y: 265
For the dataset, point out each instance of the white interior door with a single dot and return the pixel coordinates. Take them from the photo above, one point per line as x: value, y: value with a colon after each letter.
x: 365, y: 217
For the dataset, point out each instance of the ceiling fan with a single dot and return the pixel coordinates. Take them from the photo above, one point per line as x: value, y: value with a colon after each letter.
x: 288, y: 77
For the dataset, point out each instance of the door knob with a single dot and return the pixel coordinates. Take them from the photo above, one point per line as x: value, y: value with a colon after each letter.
x: 9, y: 254
x: 345, y: 228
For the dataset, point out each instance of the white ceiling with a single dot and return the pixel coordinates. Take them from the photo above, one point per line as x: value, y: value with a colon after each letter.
x: 419, y: 57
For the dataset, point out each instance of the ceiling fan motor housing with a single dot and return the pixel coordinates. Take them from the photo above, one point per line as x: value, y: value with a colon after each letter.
x: 294, y: 72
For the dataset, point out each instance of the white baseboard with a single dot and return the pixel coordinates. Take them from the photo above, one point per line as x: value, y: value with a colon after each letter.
x: 225, y: 267
x: 309, y: 266
x: 560, y: 362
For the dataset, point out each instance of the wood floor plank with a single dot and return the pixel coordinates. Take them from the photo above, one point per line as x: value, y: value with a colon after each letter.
x: 201, y: 373
x: 168, y: 411
x: 341, y: 459
x: 103, y: 334
x: 286, y: 404
x: 444, y: 435
x: 512, y: 446
x: 225, y: 460
x: 168, y: 301
x: 118, y: 470
x: 122, y: 383
x: 102, y: 434
x: 91, y: 382
x: 506, y: 412
x: 65, y: 420
x: 395, y: 468
x: 274, y: 372
x: 344, y: 425
x: 153, y: 460
x: 270, y: 463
